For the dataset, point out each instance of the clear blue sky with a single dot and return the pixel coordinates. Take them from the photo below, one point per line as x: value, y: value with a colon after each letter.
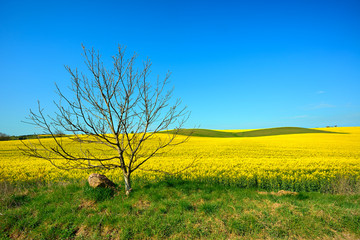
x: 235, y: 64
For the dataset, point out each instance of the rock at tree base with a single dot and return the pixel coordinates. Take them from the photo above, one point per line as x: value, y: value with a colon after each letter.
x: 97, y: 180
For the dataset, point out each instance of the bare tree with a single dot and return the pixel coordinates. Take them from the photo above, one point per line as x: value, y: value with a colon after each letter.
x: 113, y: 119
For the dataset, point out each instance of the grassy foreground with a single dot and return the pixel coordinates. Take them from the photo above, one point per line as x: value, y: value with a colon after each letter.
x: 173, y: 209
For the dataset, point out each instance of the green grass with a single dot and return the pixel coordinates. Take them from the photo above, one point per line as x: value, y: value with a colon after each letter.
x: 173, y: 209
x: 251, y: 133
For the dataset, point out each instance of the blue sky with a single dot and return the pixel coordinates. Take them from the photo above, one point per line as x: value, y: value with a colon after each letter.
x: 235, y: 64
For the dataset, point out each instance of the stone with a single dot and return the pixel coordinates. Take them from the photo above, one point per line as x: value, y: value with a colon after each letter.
x: 97, y: 180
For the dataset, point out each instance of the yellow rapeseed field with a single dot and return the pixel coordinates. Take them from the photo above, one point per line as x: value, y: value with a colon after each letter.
x: 299, y: 162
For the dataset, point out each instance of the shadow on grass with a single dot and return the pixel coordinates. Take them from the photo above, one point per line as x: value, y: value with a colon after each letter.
x: 188, y: 186
x: 99, y: 194
x: 252, y: 133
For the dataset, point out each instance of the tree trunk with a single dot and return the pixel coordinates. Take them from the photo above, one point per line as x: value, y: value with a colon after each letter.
x: 127, y: 183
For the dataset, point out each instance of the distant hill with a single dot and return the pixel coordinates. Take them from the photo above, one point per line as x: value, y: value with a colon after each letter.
x: 251, y: 133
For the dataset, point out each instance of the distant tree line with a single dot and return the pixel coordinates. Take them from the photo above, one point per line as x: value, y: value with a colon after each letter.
x: 5, y: 137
